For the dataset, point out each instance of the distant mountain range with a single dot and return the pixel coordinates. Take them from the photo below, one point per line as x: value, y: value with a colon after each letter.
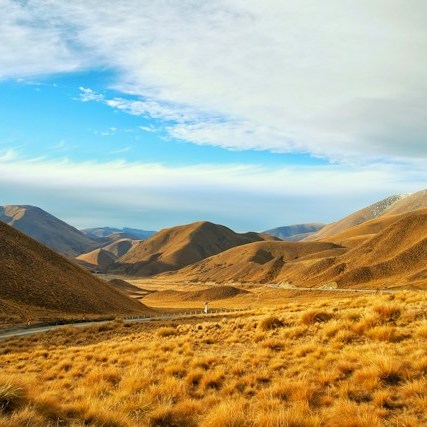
x: 118, y: 233
x: 294, y: 233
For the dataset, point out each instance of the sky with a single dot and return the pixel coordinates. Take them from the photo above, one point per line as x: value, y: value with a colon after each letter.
x: 252, y: 114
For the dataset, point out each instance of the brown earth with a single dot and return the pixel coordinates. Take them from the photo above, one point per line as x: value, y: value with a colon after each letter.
x: 37, y: 282
x: 176, y: 247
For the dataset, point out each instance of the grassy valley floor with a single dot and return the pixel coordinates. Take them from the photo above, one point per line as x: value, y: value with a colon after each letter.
x: 341, y: 361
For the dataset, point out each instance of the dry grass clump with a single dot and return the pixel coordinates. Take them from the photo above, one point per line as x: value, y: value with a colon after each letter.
x: 270, y: 322
x: 342, y: 362
x: 166, y: 332
x: 315, y: 316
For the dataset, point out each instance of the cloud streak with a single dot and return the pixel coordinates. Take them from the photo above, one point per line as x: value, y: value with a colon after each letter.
x: 325, y: 78
x: 155, y: 195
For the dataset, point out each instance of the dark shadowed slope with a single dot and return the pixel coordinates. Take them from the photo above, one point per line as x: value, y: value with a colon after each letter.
x: 47, y: 229
x: 36, y: 279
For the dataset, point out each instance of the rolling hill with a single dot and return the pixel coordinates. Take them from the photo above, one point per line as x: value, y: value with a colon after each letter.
x: 390, y: 251
x: 102, y: 258
x: 294, y: 233
x: 176, y: 247
x: 261, y: 262
x: 395, y: 256
x: 36, y: 281
x: 47, y: 229
x: 396, y: 204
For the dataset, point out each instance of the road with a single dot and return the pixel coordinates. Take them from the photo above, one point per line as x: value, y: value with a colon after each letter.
x: 30, y: 330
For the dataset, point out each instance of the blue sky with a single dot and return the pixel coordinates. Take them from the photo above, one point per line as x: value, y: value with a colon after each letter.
x: 153, y: 114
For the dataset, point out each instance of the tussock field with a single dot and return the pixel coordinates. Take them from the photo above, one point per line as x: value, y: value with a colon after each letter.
x: 358, y: 361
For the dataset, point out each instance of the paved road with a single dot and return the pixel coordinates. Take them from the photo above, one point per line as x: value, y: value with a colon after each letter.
x: 30, y: 330
x: 368, y: 291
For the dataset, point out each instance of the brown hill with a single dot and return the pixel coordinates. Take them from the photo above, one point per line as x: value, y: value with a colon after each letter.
x: 98, y: 260
x: 409, y: 203
x: 174, y: 248
x: 390, y: 251
x: 34, y: 279
x: 260, y: 262
x: 396, y: 204
x: 47, y: 229
x: 395, y: 256
x: 358, y: 234
x: 103, y: 258
x: 120, y: 247
x: 210, y: 294
x: 370, y: 212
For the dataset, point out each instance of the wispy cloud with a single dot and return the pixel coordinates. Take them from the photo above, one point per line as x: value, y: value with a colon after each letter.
x: 325, y: 78
x: 244, y: 197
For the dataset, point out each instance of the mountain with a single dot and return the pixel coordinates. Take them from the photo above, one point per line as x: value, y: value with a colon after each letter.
x: 390, y: 251
x: 176, y: 247
x: 118, y: 233
x: 396, y: 255
x: 36, y: 281
x: 47, y: 229
x: 294, y: 232
x: 399, y: 203
x: 102, y: 258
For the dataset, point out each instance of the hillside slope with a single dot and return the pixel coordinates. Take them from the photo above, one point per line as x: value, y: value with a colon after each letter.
x: 35, y: 278
x: 261, y: 262
x: 102, y: 258
x: 395, y: 256
x: 47, y: 229
x: 176, y: 247
x: 396, y: 204
x: 390, y: 251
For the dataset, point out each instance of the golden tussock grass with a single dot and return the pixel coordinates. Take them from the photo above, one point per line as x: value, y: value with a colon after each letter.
x: 338, y: 362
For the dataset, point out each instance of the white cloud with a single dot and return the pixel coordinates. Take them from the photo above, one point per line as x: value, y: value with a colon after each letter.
x: 244, y: 197
x: 336, y: 79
